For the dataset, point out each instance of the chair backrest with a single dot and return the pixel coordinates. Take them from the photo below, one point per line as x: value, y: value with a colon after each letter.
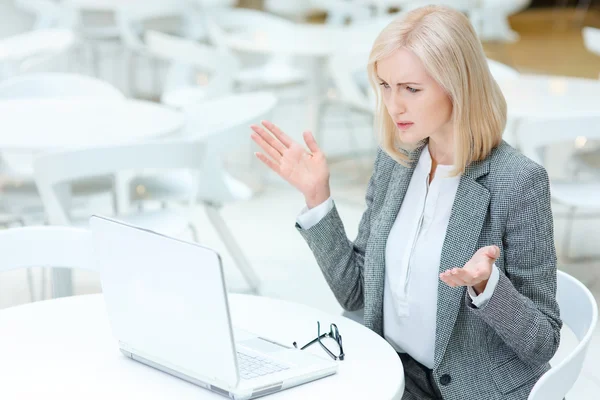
x: 130, y: 18
x: 54, y: 85
x: 48, y: 13
x: 245, y: 18
x: 579, y: 312
x: 342, y: 69
x: 535, y: 135
x: 45, y: 246
x: 222, y: 66
x: 341, y: 11
x: 591, y: 39
x: 502, y: 71
x: 54, y: 171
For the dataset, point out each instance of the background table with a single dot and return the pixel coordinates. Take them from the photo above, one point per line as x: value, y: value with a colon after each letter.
x: 544, y: 96
x: 64, y: 349
x: 31, y: 125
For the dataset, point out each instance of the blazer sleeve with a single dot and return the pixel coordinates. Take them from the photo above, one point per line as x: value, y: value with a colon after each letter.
x: 523, y: 309
x: 341, y: 260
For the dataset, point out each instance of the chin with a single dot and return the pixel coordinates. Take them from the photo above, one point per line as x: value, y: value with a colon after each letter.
x: 410, y: 138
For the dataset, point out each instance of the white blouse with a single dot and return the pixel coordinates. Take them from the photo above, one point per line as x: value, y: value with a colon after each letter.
x: 412, y: 259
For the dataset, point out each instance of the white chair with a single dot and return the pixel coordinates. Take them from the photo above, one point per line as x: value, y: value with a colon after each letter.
x: 48, y: 13
x: 55, y: 171
x: 197, y: 72
x: 35, y: 49
x: 490, y: 18
x: 354, y: 103
x: 278, y: 70
x: 591, y: 39
x: 296, y: 10
x: 132, y: 20
x: 19, y: 192
x: 45, y: 246
x: 535, y: 136
x: 579, y: 311
x: 339, y: 12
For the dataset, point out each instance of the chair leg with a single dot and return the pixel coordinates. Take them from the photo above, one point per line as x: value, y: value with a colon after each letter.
x: 31, y: 286
x: 568, y: 231
x: 43, y: 285
x: 236, y: 252
x: 194, y: 232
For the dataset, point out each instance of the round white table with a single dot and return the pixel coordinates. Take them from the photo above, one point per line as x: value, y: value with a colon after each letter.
x: 544, y: 96
x: 64, y: 349
x: 31, y: 125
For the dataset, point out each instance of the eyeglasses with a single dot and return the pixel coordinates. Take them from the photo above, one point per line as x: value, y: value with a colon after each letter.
x: 333, y: 333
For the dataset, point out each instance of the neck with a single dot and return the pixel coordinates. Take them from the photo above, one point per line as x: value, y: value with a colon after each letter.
x: 441, y: 151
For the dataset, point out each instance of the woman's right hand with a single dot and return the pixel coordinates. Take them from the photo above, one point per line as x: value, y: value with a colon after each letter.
x: 307, y: 172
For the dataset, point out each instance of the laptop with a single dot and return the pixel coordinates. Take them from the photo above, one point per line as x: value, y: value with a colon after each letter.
x: 167, y: 305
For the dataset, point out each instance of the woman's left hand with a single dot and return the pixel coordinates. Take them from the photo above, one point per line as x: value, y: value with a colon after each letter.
x: 476, y: 272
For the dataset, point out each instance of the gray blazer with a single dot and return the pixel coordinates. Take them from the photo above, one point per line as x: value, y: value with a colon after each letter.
x: 500, y: 350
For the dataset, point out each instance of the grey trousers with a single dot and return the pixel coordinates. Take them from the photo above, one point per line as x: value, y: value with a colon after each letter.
x: 419, y: 381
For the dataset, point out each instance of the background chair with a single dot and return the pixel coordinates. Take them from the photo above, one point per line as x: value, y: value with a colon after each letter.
x: 198, y: 72
x: 536, y: 136
x: 591, y: 39
x: 19, y: 194
x: 277, y: 71
x: 54, y: 173
x: 45, y: 246
x: 134, y: 19
x: 579, y: 311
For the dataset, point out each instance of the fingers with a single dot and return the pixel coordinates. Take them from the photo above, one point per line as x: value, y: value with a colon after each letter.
x: 492, y: 252
x: 309, y: 139
x: 461, y: 277
x: 273, y: 153
x: 452, y: 278
x: 283, y: 138
x: 268, y: 139
x: 268, y: 162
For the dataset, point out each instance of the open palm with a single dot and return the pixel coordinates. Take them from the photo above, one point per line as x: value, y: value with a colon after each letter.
x: 307, y: 172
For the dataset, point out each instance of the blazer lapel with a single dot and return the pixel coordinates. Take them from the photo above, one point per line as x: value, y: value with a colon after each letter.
x: 396, y: 191
x: 462, y: 236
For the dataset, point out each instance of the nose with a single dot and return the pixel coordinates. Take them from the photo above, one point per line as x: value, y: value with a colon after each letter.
x: 396, y: 105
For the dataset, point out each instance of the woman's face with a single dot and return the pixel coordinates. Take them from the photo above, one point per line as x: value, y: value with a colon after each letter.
x: 415, y: 102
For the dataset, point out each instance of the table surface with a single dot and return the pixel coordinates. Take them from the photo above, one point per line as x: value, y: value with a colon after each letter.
x: 31, y: 125
x: 544, y: 96
x: 15, y: 48
x: 64, y: 349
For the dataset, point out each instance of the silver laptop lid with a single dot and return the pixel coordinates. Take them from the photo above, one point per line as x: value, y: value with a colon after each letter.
x: 166, y: 299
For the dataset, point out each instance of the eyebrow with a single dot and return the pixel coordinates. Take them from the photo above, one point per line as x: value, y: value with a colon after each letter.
x: 401, y: 83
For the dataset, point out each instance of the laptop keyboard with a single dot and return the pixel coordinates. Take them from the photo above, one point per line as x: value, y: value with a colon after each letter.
x: 253, y: 366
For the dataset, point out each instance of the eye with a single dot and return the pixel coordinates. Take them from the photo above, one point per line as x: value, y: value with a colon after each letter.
x: 412, y: 90
x: 385, y: 85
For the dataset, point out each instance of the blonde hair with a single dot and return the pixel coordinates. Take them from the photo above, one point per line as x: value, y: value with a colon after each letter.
x: 447, y: 45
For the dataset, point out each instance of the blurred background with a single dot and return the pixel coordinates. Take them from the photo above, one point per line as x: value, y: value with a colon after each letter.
x: 80, y: 75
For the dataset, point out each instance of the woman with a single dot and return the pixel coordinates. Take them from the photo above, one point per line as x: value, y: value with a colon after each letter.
x: 454, y: 263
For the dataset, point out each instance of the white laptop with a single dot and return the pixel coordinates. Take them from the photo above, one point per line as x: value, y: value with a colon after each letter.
x: 167, y: 305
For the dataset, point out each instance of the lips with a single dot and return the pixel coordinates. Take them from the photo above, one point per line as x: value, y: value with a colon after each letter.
x: 404, y: 125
